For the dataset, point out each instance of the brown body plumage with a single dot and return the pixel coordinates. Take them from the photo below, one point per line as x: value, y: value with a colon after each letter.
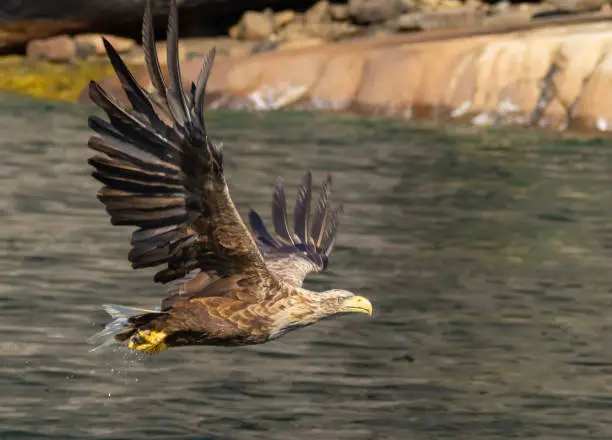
x: 228, y: 285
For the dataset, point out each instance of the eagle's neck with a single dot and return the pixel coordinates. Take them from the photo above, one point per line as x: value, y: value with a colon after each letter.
x: 297, y: 309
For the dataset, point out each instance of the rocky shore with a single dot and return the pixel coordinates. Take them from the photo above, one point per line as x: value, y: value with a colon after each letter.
x: 545, y: 65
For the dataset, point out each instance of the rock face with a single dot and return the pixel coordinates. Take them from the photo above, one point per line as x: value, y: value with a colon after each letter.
x: 255, y: 26
x: 319, y: 13
x: 283, y: 18
x: 56, y: 49
x: 64, y: 48
x: 447, y: 18
x: 375, y: 11
x: 330, y: 31
x: 92, y: 44
x: 578, y: 5
x: 339, y: 12
x: 555, y: 77
x: 25, y: 20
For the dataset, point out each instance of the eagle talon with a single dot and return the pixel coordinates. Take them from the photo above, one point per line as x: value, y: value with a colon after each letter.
x: 148, y: 341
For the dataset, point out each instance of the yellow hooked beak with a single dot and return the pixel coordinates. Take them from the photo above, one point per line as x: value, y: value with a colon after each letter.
x: 357, y: 304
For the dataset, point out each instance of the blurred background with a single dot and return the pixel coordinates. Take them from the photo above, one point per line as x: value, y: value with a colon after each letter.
x: 467, y: 142
x: 534, y: 63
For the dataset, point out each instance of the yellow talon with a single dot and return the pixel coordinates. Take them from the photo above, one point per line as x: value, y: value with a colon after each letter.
x: 148, y: 341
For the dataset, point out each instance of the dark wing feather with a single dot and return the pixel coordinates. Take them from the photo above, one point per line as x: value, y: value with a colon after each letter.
x: 321, y: 211
x: 177, y: 100
x: 279, y: 214
x: 330, y: 230
x: 301, y: 216
x: 259, y: 228
x: 200, y: 86
x: 150, y: 51
x: 159, y: 95
x: 292, y: 256
x: 141, y: 106
x: 167, y: 179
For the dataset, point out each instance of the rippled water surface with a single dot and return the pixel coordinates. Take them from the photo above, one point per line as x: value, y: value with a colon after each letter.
x: 487, y: 256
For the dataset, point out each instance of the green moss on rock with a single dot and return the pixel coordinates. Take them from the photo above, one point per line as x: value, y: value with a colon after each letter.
x: 41, y: 79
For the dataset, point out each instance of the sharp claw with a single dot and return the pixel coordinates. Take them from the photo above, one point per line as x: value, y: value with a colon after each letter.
x: 147, y: 341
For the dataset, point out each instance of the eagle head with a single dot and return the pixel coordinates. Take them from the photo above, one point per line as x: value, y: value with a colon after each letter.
x: 337, y: 302
x: 309, y: 307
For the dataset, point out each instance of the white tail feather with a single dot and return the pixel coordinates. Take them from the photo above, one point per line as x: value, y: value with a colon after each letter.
x: 120, y: 315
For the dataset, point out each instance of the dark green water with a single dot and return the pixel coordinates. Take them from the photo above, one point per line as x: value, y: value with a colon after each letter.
x: 487, y: 256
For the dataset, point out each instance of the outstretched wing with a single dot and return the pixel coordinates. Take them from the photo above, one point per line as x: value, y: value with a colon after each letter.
x: 292, y: 255
x: 167, y: 178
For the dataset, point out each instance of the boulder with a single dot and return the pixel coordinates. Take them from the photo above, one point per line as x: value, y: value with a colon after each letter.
x: 501, y: 7
x: 427, y: 5
x: 235, y: 31
x: 450, y: 4
x: 513, y: 16
x: 411, y: 5
x: 450, y: 18
x: 57, y: 49
x: 339, y: 12
x: 319, y: 13
x: 331, y: 31
x: 25, y: 20
x: 15, y: 34
x: 444, y: 18
x: 482, y: 6
x: 293, y: 31
x: 283, y: 18
x: 92, y: 44
x: 255, y: 26
x: 375, y: 11
x: 405, y: 23
x: 577, y: 5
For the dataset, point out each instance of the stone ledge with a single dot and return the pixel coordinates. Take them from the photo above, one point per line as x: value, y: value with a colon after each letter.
x: 554, y: 77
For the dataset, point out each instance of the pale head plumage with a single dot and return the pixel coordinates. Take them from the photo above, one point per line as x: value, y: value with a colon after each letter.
x: 308, y: 307
x: 337, y: 301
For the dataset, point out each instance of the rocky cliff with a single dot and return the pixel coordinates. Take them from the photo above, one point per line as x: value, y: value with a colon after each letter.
x: 516, y: 65
x: 555, y: 77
